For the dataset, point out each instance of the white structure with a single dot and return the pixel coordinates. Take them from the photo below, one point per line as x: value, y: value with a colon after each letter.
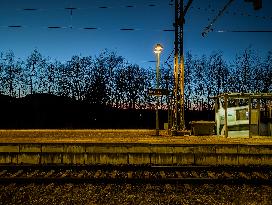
x: 239, y: 114
x: 237, y: 121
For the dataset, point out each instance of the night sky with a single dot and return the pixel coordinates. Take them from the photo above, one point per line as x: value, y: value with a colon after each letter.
x: 147, y: 18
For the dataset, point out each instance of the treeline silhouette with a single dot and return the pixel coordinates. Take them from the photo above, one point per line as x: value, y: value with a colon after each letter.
x: 106, y: 91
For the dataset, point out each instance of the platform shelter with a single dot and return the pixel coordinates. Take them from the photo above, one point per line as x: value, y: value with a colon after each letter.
x: 243, y: 114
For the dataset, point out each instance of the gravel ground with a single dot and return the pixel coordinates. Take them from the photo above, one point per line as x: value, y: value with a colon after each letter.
x: 87, y: 194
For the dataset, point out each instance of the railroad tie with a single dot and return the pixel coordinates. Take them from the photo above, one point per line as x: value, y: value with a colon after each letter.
x: 146, y: 174
x: 17, y: 173
x: 32, y: 174
x: 114, y: 174
x: 49, y: 173
x: 66, y: 173
x: 178, y: 175
x: 130, y: 175
x: 212, y: 175
x: 3, y: 172
x: 227, y: 175
x: 97, y: 174
x: 194, y: 174
x: 259, y: 175
x: 162, y: 174
x: 81, y: 174
x: 243, y: 175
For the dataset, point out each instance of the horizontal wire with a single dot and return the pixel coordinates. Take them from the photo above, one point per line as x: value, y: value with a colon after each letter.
x: 30, y: 9
x: 87, y: 28
x: 233, y: 13
x: 124, y: 29
x: 209, y: 28
x: 244, y: 31
x: 15, y: 26
x: 90, y: 28
x: 89, y: 7
x: 131, y: 28
x: 149, y: 5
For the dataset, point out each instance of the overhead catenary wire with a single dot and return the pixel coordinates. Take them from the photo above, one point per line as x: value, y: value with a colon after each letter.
x: 71, y: 8
x: 220, y: 13
x: 234, y: 13
x: 169, y: 57
x: 128, y: 29
x: 244, y: 31
x: 92, y: 7
x: 207, y: 9
x: 30, y: 9
x: 241, y: 13
x: 90, y: 28
x: 15, y: 26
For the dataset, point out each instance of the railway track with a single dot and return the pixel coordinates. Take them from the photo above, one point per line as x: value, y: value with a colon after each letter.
x: 136, y: 174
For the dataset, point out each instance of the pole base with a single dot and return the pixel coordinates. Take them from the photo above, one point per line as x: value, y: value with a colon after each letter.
x: 173, y: 132
x: 180, y: 132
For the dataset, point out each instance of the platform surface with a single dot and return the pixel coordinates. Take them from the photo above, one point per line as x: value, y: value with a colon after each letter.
x: 120, y: 136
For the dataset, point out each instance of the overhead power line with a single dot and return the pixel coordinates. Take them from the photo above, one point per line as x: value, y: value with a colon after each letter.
x: 13, y: 26
x: 92, y: 7
x: 30, y: 9
x: 244, y: 31
x: 71, y: 9
x: 90, y: 28
x: 54, y: 27
x: 234, y: 13
x: 220, y: 13
x: 85, y: 28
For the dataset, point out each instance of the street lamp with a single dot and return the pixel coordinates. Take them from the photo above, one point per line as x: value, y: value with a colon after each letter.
x: 157, y: 50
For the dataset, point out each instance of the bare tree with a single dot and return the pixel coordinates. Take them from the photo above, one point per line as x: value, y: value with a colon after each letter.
x: 244, y: 71
x: 188, y: 79
x: 2, y: 64
x: 63, y: 81
x: 35, y: 65
x: 216, y: 76
x: 131, y: 83
x: 11, y: 74
x: 111, y: 62
x: 199, y: 82
x: 51, y: 75
x: 98, y: 90
x: 78, y: 70
x: 120, y: 84
x: 267, y: 73
x: 102, y: 86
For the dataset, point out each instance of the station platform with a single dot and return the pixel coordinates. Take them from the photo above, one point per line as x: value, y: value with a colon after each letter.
x: 129, y: 147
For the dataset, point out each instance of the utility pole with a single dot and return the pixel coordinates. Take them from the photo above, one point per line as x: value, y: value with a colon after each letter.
x: 179, y: 67
x: 177, y: 117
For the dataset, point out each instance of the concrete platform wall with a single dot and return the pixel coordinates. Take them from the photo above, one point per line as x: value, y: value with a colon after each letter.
x: 135, y: 154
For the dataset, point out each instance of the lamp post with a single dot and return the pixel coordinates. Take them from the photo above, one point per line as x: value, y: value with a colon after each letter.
x: 157, y: 50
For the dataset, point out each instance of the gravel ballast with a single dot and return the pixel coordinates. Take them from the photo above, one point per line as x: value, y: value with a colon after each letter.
x: 87, y: 194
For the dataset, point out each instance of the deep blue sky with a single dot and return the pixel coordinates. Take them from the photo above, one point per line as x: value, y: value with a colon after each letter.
x: 136, y: 46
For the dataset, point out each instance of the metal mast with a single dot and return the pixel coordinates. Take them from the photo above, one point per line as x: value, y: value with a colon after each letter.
x: 178, y: 92
x: 177, y: 121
